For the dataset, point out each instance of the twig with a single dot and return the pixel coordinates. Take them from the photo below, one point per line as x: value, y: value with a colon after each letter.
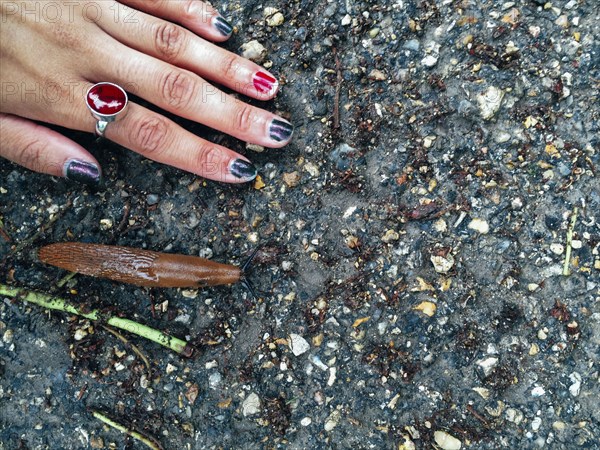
x: 123, y: 339
x: 338, y: 88
x: 566, y: 270
x: 150, y: 442
x: 34, y: 237
x: 64, y: 280
x: 55, y: 303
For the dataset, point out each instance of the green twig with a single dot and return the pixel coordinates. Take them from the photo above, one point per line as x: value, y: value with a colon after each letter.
x: 567, y: 262
x: 58, y: 304
x: 150, y: 442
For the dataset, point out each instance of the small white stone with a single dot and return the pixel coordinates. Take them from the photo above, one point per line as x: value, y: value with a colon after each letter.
x: 487, y: 364
x: 536, y: 423
x: 170, y: 368
x: 333, y: 420
x: 306, y: 421
x: 442, y: 264
x: 557, y: 249
x: 298, y: 344
x: 80, y: 334
x: 332, y: 376
x: 479, y: 225
x: 538, y: 391
x: 429, y: 61
x: 251, y: 405
x: 576, y: 386
x: 446, y: 441
x: 275, y: 20
x: 254, y: 51
x: 489, y: 102
x: 346, y: 20
x: 514, y: 415
x: 576, y: 244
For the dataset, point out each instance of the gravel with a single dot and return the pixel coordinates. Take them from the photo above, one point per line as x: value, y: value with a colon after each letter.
x: 410, y: 280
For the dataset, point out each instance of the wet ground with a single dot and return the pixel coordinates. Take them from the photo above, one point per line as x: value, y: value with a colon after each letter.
x: 412, y: 288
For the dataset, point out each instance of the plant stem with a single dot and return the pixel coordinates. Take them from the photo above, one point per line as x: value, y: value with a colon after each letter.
x: 123, y: 429
x: 58, y: 304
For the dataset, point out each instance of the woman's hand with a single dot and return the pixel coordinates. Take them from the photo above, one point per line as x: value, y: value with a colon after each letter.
x: 52, y: 52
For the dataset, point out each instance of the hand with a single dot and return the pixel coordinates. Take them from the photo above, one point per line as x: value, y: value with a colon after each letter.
x: 52, y: 52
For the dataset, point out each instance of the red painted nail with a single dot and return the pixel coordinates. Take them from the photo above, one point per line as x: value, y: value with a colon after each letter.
x: 263, y: 82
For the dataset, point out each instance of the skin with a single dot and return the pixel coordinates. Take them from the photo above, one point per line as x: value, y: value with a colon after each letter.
x: 139, y: 267
x: 158, y: 50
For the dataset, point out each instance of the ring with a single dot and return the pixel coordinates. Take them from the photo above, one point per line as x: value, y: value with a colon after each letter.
x: 106, y: 101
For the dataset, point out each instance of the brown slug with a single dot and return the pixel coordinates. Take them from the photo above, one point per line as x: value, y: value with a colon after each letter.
x: 140, y: 267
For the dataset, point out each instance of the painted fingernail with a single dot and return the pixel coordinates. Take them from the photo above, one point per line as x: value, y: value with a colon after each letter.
x: 82, y: 172
x: 281, y: 130
x: 264, y: 82
x: 242, y: 169
x: 222, y: 25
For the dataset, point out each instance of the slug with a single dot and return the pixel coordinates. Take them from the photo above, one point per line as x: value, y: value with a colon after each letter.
x: 140, y: 267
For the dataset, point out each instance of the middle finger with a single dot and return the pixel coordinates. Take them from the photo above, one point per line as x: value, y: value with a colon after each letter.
x: 178, y: 46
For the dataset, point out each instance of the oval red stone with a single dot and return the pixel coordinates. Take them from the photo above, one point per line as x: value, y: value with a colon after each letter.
x: 106, y: 99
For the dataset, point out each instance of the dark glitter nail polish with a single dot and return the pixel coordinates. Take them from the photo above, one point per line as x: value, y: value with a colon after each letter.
x: 243, y: 169
x: 280, y: 130
x: 223, y: 26
x: 82, y: 172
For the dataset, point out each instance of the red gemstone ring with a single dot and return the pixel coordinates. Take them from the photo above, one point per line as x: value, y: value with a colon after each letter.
x: 106, y: 102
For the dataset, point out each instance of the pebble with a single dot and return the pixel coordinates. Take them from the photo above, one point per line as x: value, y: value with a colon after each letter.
x: 306, y: 421
x: 479, y: 225
x: 251, y: 405
x: 275, y: 20
x: 514, y: 415
x: 346, y: 20
x: 575, y: 388
x: 291, y: 179
x: 446, y: 441
x: 298, y: 344
x: 489, y: 102
x: 151, y: 199
x: 254, y: 51
x: 557, y: 249
x: 390, y: 236
x: 427, y: 308
x: 333, y: 420
x: 429, y: 61
x: 442, y: 264
x: 8, y: 335
x: 487, y: 364
x: 536, y: 423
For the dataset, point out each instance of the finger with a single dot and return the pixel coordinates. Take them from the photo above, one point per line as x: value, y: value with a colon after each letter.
x: 176, y: 45
x: 43, y: 150
x: 161, y: 140
x: 197, y: 16
x: 183, y: 93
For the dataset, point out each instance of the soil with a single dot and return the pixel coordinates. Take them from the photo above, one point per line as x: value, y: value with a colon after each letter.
x: 410, y: 277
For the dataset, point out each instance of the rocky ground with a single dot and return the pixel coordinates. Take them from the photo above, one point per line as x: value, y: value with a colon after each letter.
x: 412, y: 288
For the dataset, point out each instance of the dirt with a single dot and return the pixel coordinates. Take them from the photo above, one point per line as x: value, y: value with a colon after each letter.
x: 411, y: 288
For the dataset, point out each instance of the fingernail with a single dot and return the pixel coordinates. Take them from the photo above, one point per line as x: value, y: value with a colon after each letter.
x: 222, y: 25
x: 82, y: 172
x: 242, y: 169
x: 281, y: 130
x: 264, y: 82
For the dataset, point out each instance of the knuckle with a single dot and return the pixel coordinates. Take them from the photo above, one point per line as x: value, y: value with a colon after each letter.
x: 209, y: 159
x: 31, y: 154
x: 150, y: 136
x: 230, y: 66
x: 169, y: 40
x: 244, y: 118
x: 177, y: 88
